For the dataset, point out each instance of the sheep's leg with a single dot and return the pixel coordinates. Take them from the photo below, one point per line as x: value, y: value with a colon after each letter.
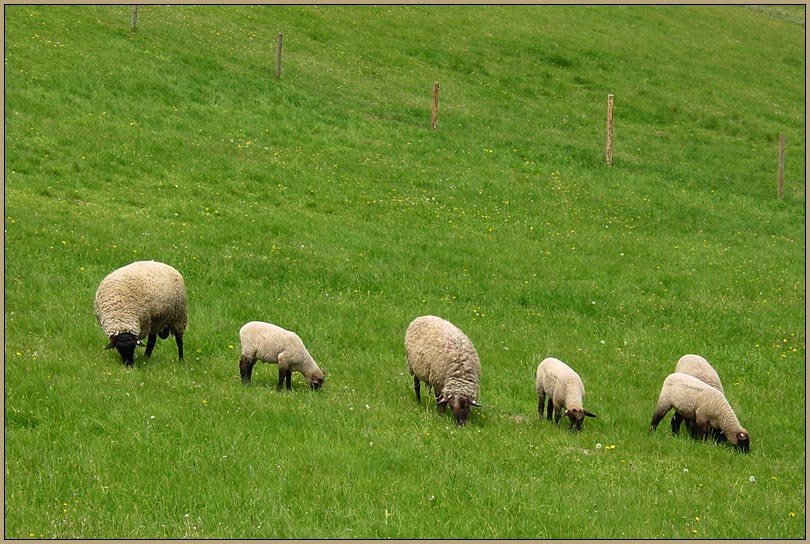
x: 417, y: 387
x: 676, y: 423
x: 557, y: 414
x: 179, y: 339
x: 283, y: 374
x: 700, y: 428
x: 694, y: 430
x: 288, y: 379
x: 541, y: 399
x: 658, y: 415
x: 550, y: 408
x: 150, y: 344
x: 246, y: 368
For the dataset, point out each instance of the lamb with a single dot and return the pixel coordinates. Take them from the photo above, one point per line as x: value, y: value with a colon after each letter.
x: 564, y: 389
x: 697, y: 366
x: 442, y: 356
x: 694, y: 400
x: 142, y: 299
x: 272, y: 344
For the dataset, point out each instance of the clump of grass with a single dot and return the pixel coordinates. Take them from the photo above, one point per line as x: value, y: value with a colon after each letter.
x: 323, y: 202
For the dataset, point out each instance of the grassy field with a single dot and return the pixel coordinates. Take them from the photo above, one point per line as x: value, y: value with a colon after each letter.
x: 323, y: 202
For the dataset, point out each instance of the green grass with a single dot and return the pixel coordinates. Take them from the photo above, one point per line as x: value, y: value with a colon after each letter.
x: 324, y: 203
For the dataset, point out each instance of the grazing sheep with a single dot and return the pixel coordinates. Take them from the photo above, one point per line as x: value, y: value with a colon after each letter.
x: 272, y: 344
x: 708, y: 407
x: 442, y: 356
x: 139, y: 300
x: 564, y: 389
x: 697, y: 366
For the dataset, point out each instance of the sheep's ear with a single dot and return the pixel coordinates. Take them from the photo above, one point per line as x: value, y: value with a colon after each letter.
x: 565, y: 414
x: 110, y: 345
x: 443, y: 400
x: 589, y: 414
x: 475, y: 403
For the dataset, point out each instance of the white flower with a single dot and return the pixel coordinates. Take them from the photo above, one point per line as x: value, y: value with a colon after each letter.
x: 598, y: 446
x: 752, y: 479
x: 685, y: 470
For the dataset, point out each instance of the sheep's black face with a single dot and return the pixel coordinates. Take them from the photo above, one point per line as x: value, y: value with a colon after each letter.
x: 461, y: 409
x: 316, y: 380
x: 125, y: 343
x: 577, y: 416
x: 743, y: 442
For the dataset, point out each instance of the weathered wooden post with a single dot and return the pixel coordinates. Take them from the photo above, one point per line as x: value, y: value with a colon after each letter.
x: 134, y: 20
x: 434, y: 117
x: 609, y: 148
x: 781, y: 175
x: 278, y: 55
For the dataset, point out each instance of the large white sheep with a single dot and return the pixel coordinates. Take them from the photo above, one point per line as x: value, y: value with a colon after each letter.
x: 698, y: 401
x: 142, y: 299
x: 272, y: 344
x: 564, y: 389
x: 697, y: 366
x: 442, y: 356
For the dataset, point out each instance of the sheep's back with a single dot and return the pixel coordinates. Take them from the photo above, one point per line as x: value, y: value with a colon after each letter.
x: 698, y: 367
x: 552, y: 373
x: 146, y: 294
x: 266, y: 341
x: 437, y: 352
x: 686, y: 394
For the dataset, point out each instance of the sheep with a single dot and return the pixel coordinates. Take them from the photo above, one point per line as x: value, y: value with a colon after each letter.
x: 564, y: 389
x: 139, y: 300
x: 698, y: 401
x: 442, y: 356
x: 272, y: 344
x: 697, y: 366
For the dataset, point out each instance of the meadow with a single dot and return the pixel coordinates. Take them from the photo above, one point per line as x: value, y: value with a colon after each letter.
x: 323, y: 201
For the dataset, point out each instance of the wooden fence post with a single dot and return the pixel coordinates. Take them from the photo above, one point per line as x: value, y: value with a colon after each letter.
x: 434, y: 117
x: 781, y: 175
x: 278, y: 55
x: 609, y: 147
x: 134, y: 20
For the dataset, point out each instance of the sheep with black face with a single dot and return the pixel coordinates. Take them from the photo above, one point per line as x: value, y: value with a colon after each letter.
x: 144, y: 299
x: 273, y: 344
x: 442, y: 356
x: 695, y: 400
x: 699, y: 367
x: 564, y: 389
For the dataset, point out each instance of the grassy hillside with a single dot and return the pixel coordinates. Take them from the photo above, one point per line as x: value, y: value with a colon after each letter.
x: 323, y: 202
